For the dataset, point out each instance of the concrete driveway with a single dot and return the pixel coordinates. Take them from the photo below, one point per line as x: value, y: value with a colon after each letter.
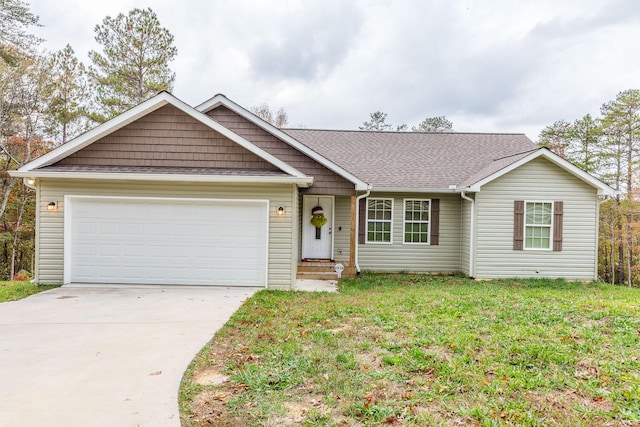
x: 104, y: 356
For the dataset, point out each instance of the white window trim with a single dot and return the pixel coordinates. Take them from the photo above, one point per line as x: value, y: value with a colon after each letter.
x: 404, y: 222
x: 390, y: 242
x: 524, y: 224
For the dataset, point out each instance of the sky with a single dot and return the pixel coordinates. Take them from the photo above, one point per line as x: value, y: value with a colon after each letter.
x: 487, y: 65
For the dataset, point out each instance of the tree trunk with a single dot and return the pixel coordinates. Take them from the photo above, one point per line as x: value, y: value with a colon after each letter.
x: 7, y: 193
x: 629, y: 266
x: 630, y: 160
x: 16, y: 233
x: 620, y: 242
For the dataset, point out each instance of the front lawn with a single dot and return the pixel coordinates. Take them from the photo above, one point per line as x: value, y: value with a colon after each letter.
x: 15, y: 290
x: 420, y: 350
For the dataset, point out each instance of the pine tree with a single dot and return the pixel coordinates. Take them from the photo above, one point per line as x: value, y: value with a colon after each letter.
x: 134, y: 63
x: 69, y: 95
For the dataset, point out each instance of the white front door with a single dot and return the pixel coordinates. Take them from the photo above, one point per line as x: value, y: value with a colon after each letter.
x: 317, y: 243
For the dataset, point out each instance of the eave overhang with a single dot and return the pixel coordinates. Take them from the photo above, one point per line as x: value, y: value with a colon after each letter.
x: 303, y: 182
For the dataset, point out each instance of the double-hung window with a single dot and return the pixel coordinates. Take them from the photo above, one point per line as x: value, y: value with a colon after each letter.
x: 379, y: 220
x: 538, y: 225
x: 417, y: 216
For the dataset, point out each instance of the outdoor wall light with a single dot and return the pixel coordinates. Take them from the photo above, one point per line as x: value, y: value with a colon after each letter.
x: 52, y: 206
x: 31, y: 181
x: 280, y: 211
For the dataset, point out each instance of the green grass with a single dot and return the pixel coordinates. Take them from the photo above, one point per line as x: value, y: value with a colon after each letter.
x: 15, y: 290
x: 420, y: 350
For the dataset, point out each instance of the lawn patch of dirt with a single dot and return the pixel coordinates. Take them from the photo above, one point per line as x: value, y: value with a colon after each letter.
x: 209, y: 376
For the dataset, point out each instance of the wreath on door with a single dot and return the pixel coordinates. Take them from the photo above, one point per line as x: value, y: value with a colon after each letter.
x: 318, y: 219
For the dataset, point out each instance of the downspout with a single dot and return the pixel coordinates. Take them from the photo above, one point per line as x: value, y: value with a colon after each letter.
x: 471, y: 233
x: 360, y: 197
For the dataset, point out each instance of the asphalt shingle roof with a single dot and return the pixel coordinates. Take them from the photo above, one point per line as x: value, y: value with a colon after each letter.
x: 429, y: 160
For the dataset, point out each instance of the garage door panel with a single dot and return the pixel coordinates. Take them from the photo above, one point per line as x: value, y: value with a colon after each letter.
x: 169, y: 241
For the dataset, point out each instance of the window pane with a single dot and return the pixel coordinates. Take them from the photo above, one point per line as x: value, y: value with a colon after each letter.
x: 538, y: 213
x: 416, y: 228
x: 379, y: 214
x: 537, y: 237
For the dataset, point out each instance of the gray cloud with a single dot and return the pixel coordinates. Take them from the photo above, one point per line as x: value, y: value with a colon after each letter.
x: 489, y: 66
x: 309, y: 43
x: 589, y: 19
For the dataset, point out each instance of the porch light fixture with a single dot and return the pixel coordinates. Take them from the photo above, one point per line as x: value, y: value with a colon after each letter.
x: 52, y: 206
x: 280, y: 211
x: 31, y: 181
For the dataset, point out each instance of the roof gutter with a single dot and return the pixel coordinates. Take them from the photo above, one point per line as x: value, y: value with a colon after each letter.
x: 360, y: 197
x: 415, y: 190
x: 471, y: 232
x: 304, y: 182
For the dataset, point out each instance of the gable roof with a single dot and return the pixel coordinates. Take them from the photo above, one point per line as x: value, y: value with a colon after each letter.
x: 41, y: 165
x: 494, y: 171
x: 327, y: 162
x: 431, y: 161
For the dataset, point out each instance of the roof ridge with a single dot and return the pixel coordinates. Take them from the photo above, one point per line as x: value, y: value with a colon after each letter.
x: 400, y: 132
x: 517, y: 154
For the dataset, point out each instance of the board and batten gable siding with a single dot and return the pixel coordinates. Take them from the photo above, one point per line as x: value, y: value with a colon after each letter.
x: 417, y: 258
x: 282, y: 237
x: 537, y: 180
x: 325, y: 181
x: 167, y: 137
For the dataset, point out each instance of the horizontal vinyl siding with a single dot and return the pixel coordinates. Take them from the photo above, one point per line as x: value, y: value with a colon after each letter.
x: 443, y: 258
x: 295, y: 234
x: 51, y: 233
x: 538, y: 180
x: 341, y: 229
x: 465, y: 237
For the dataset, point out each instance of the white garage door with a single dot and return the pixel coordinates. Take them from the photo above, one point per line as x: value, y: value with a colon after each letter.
x: 166, y: 241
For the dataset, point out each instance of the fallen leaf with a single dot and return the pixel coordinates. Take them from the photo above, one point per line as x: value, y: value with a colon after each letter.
x: 486, y: 381
x: 156, y: 373
x: 368, y: 400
